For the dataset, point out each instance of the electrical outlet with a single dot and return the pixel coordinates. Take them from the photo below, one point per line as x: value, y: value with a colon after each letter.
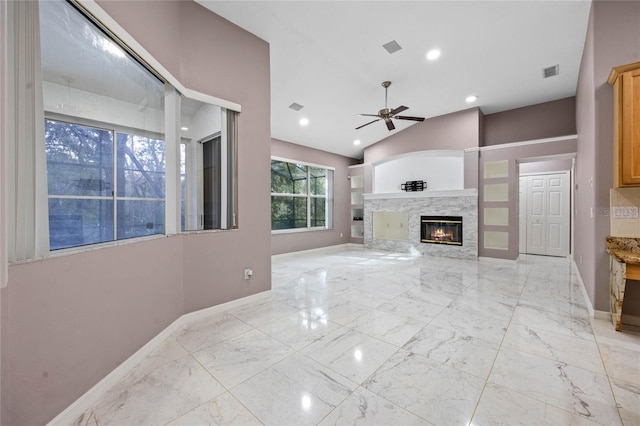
x: 248, y: 273
x: 341, y: 235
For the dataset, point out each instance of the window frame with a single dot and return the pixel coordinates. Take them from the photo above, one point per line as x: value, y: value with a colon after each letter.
x: 328, y: 197
x: 115, y: 129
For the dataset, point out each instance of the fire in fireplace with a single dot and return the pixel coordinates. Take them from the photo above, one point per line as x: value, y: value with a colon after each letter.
x: 441, y: 230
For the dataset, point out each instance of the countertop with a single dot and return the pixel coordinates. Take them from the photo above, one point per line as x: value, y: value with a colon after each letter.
x: 625, y: 249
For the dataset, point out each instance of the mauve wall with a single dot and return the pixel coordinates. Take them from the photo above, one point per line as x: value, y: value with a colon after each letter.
x: 565, y: 147
x: 613, y: 39
x: 69, y: 320
x: 296, y: 241
x: 458, y: 130
x: 546, y: 166
x: 74, y: 318
x: 220, y: 59
x: 584, y: 235
x: 546, y: 120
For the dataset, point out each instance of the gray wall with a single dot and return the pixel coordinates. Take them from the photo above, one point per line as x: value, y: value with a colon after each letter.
x: 613, y: 38
x: 546, y: 120
x: 68, y: 321
x: 296, y: 241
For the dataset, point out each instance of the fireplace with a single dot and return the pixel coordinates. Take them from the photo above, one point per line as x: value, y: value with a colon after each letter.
x: 441, y: 230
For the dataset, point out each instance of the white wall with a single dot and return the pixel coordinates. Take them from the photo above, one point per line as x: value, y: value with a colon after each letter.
x: 441, y: 169
x: 205, y: 122
x: 78, y: 103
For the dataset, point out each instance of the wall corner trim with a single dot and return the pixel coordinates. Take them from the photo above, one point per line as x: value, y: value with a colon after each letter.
x: 90, y: 397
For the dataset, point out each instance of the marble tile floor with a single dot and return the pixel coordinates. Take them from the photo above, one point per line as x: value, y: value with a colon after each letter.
x: 354, y: 336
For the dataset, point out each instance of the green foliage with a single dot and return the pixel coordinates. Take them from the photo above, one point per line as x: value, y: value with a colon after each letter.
x: 300, y: 183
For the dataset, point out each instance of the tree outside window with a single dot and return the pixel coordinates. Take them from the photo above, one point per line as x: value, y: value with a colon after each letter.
x: 299, y: 195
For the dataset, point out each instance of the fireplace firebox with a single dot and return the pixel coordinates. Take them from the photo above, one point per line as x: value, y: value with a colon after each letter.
x: 441, y: 230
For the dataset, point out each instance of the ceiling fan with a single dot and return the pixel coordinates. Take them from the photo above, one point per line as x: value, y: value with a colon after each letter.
x: 387, y: 114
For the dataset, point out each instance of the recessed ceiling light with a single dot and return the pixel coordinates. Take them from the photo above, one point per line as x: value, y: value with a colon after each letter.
x: 304, y: 121
x: 433, y: 54
x: 471, y: 98
x: 184, y: 129
x: 357, y: 142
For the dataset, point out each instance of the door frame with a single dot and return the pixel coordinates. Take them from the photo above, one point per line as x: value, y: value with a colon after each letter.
x: 571, y: 179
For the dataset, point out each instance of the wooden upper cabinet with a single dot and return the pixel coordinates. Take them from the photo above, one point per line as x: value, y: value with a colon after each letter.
x: 625, y: 80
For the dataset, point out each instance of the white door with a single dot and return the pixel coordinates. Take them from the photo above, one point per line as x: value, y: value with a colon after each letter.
x: 536, y: 220
x: 547, y: 218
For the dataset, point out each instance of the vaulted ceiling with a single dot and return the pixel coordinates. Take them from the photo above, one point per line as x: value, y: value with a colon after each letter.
x: 328, y: 56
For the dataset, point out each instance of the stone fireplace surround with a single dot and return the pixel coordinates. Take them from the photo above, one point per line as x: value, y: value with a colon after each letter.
x: 462, y: 202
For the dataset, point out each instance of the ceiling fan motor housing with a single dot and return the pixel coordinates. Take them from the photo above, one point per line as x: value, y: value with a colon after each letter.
x: 387, y: 113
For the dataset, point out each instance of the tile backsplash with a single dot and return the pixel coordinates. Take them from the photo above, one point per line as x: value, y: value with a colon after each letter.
x: 624, y: 197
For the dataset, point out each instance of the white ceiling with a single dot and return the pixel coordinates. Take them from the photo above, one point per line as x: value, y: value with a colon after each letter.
x: 328, y: 57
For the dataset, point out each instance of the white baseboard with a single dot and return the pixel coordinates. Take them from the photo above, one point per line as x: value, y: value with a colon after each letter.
x: 602, y: 315
x: 497, y: 260
x: 592, y: 312
x: 91, y: 397
x: 314, y: 250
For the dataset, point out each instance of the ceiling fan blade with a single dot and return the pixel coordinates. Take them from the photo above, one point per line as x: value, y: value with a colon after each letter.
x: 399, y: 109
x: 404, y: 117
x: 390, y: 125
x: 366, y: 124
x: 368, y: 115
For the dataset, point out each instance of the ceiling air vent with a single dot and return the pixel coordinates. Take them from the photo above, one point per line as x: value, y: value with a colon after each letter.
x: 296, y: 106
x: 392, y: 46
x: 551, y: 71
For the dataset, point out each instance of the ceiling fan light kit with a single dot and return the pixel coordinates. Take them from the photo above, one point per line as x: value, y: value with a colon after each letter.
x: 388, y: 114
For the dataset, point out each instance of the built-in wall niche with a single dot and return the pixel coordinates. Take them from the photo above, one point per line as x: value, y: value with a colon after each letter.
x: 496, y: 240
x: 495, y: 213
x: 496, y: 216
x: 441, y: 169
x: 357, y: 198
x: 391, y: 226
x: 357, y: 182
x: 357, y: 230
x: 496, y: 169
x: 496, y: 192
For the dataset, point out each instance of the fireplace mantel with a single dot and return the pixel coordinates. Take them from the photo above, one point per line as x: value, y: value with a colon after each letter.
x: 423, y: 194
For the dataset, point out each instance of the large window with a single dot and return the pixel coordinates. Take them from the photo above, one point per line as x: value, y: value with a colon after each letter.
x: 208, y: 166
x: 104, y: 134
x: 301, y: 196
x: 92, y: 198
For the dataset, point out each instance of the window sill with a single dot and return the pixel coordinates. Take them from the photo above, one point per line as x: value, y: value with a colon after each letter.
x: 99, y: 246
x: 206, y: 231
x: 298, y: 230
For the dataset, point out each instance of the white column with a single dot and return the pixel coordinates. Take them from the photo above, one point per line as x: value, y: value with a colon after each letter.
x: 172, y: 158
x: 6, y: 31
